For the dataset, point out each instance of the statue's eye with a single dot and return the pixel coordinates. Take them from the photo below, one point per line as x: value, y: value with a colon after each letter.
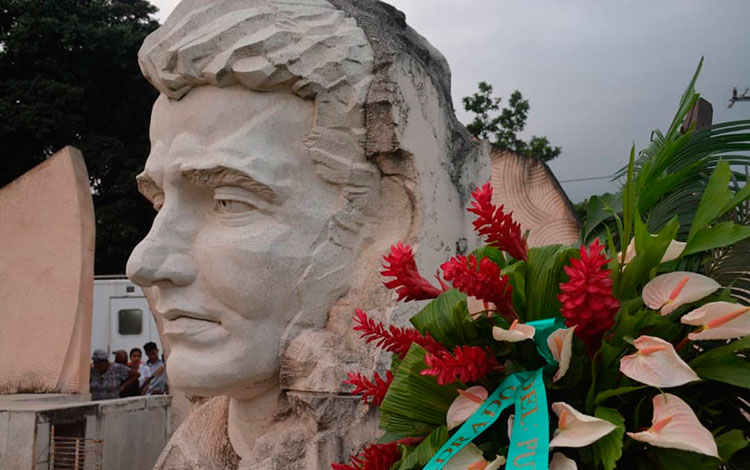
x: 231, y: 207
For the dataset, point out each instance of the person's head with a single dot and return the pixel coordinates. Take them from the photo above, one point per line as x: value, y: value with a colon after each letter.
x: 135, y: 355
x: 100, y: 359
x: 268, y: 178
x: 152, y: 351
x: 121, y: 357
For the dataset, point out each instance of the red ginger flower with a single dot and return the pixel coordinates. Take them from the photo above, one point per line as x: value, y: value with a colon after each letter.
x: 408, y: 283
x: 467, y: 364
x: 374, y: 391
x: 396, y: 340
x: 586, y: 298
x: 484, y: 282
x: 377, y: 456
x: 498, y: 228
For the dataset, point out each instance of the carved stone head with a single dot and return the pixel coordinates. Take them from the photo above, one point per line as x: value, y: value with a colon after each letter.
x: 292, y: 143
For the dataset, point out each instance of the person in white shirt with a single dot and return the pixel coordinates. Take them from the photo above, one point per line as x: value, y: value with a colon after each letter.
x: 156, y: 384
x: 135, y: 363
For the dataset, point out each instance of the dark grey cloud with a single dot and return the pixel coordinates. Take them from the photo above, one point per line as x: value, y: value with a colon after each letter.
x: 600, y: 75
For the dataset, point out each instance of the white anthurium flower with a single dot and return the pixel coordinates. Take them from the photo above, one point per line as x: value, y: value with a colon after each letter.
x: 466, y: 404
x: 471, y: 458
x: 674, y: 250
x: 719, y: 320
x: 511, y: 418
x: 669, y: 291
x: 560, y: 344
x: 560, y: 462
x: 477, y: 307
x: 657, y: 364
x: 517, y: 332
x: 675, y: 426
x: 575, y: 429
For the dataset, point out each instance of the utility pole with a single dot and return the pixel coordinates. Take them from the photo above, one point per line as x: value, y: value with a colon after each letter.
x: 743, y: 97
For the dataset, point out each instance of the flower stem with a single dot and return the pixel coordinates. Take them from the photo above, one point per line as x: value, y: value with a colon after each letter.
x: 682, y: 343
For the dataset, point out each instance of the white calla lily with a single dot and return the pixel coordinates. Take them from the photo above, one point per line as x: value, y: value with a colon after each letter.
x: 575, y: 429
x: 560, y: 344
x: 674, y: 250
x: 466, y: 404
x: 719, y: 320
x: 471, y: 458
x: 477, y: 307
x: 517, y: 332
x: 657, y: 364
x: 668, y: 292
x: 511, y: 418
x: 560, y: 462
x: 676, y: 426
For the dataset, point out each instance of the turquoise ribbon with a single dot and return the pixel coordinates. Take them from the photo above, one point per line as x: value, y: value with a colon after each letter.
x: 529, y: 444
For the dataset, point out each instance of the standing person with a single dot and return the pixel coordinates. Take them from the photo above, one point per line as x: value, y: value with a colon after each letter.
x: 106, y: 379
x: 135, y: 363
x: 157, y: 383
x: 132, y: 387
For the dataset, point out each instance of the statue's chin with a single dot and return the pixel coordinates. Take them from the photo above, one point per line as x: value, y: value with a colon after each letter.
x: 199, y: 376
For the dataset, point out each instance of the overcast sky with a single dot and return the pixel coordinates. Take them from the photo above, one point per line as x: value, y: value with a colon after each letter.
x: 599, y: 75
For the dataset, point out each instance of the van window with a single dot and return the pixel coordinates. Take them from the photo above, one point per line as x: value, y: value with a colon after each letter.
x: 130, y: 322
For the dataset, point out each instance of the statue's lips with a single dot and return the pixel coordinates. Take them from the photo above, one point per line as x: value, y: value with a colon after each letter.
x: 192, y: 326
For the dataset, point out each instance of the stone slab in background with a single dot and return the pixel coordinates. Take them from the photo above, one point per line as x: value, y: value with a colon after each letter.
x: 47, y: 278
x: 527, y: 187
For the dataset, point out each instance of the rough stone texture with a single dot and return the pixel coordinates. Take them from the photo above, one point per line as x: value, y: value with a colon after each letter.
x: 293, y: 143
x: 527, y: 187
x: 47, y: 278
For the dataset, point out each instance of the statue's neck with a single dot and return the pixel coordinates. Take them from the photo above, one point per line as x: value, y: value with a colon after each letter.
x: 249, y: 419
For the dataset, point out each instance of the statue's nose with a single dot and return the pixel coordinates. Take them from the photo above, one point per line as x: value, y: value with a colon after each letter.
x: 164, y: 255
x: 153, y: 263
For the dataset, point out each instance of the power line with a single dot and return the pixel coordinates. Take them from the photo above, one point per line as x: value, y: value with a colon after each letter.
x: 587, y: 179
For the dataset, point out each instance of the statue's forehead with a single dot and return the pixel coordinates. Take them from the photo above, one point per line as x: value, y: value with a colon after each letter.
x: 212, y: 114
x: 259, y: 133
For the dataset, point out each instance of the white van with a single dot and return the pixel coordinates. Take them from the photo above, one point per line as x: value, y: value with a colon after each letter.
x: 121, y: 317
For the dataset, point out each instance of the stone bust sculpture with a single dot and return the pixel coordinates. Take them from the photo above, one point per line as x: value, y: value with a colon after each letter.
x: 293, y: 142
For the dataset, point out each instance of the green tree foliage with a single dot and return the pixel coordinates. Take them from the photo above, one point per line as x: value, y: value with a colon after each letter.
x: 69, y: 76
x: 502, y: 129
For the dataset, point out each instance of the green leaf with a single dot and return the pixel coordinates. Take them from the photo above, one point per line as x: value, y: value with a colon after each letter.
x: 674, y: 459
x: 608, y: 449
x: 717, y: 199
x: 628, y: 204
x: 517, y: 273
x: 600, y: 397
x: 597, y: 212
x: 653, y: 192
x: 545, y: 273
x: 415, y: 404
x: 447, y: 320
x: 633, y: 320
x: 723, y: 234
x: 649, y: 252
x: 725, y: 364
x: 494, y: 254
x: 425, y: 450
x: 730, y: 443
x: 614, y: 263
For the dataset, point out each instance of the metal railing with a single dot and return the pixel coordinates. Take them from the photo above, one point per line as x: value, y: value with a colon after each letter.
x: 74, y: 453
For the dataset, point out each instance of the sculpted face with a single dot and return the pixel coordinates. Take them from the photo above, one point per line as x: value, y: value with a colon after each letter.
x: 240, y: 211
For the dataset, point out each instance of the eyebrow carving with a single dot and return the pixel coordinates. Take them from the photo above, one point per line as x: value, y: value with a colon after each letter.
x: 223, y: 176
